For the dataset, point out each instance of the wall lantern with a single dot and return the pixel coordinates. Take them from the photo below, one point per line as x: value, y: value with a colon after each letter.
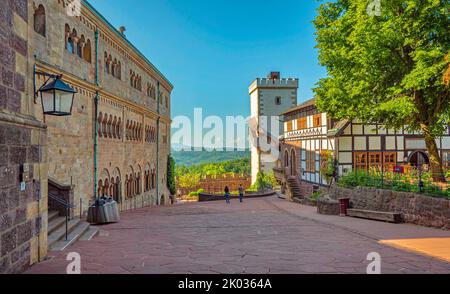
x: 56, y: 96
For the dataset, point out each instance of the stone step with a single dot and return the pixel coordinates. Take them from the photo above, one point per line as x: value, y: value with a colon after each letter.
x: 60, y: 233
x: 78, y: 231
x: 55, y: 224
x: 390, y: 217
x: 91, y: 233
x: 52, y: 215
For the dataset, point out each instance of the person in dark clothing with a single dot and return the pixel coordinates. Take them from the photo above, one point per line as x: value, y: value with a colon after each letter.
x: 227, y: 194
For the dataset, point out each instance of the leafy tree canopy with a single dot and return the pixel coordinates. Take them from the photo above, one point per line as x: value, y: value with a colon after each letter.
x: 390, y: 68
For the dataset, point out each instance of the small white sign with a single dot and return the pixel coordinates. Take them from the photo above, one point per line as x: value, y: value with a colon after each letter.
x: 22, y: 186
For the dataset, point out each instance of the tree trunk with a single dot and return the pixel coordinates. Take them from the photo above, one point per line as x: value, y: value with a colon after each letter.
x: 437, y: 170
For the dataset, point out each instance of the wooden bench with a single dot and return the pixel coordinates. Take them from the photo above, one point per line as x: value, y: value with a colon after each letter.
x: 390, y: 217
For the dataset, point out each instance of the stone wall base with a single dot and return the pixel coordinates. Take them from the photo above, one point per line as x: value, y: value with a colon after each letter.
x: 416, y: 208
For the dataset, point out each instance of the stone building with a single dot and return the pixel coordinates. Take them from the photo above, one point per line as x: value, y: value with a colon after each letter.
x: 117, y: 86
x: 268, y: 98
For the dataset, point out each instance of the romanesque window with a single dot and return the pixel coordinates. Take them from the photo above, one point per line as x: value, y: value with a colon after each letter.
x: 104, y: 126
x: 286, y: 158
x: 80, y: 47
x: 110, y: 126
x: 99, y: 125
x: 69, y: 41
x: 114, y: 128
x: 87, y: 53
x: 100, y: 188
x: 119, y: 125
x: 118, y: 70
x: 106, y: 63
x: 39, y: 21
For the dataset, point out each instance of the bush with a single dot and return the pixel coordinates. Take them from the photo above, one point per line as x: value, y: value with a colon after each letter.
x: 393, y: 181
x: 263, y: 182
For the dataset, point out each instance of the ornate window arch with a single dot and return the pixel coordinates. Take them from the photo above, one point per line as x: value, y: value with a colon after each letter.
x: 69, y: 43
x: 87, y: 51
x: 100, y: 121
x: 114, y: 127
x: 119, y: 129
x: 80, y: 47
x: 40, y: 20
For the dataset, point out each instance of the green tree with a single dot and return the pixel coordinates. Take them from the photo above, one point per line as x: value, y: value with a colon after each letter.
x: 388, y: 68
x: 188, y: 181
x: 171, y: 183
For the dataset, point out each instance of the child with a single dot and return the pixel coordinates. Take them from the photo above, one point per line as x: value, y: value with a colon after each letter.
x: 227, y: 194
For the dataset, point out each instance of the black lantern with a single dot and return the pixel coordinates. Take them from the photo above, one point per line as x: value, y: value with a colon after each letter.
x: 57, y: 97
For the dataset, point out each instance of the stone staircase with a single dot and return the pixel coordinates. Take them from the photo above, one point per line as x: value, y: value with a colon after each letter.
x: 294, y: 189
x: 77, y: 229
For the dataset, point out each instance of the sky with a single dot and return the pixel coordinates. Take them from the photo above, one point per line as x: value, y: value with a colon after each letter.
x: 211, y: 50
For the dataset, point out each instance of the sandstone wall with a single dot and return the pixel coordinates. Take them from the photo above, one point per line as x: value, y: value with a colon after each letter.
x: 23, y: 212
x: 416, y: 209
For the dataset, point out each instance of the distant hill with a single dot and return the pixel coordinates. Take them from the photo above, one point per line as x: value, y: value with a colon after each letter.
x: 189, y: 158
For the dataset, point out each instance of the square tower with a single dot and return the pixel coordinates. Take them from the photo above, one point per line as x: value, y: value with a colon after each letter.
x: 269, y: 97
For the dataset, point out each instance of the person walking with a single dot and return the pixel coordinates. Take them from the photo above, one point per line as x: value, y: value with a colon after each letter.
x: 241, y: 193
x: 227, y: 194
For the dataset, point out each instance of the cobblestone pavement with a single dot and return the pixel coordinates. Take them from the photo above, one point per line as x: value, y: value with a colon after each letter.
x: 256, y: 237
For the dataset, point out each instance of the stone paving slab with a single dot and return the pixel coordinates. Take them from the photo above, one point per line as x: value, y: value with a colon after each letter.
x: 255, y: 237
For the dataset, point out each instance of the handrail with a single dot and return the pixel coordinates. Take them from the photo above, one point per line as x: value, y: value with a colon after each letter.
x: 66, y: 205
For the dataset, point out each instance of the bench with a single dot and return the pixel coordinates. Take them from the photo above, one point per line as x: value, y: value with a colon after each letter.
x: 390, y: 217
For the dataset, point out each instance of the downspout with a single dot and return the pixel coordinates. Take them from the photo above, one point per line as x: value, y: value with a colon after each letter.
x: 157, y: 145
x: 96, y: 115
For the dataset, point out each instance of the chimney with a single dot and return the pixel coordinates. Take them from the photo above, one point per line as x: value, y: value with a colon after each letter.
x: 122, y: 30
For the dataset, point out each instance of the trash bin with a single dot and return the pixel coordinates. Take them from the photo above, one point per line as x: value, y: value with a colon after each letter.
x: 344, y: 204
x: 103, y: 211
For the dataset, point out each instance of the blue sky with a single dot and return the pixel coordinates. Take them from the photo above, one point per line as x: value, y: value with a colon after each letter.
x: 211, y: 50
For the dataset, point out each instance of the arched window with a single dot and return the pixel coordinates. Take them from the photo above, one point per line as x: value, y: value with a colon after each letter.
x: 99, y: 126
x: 108, y: 126
x: 69, y: 45
x: 119, y: 70
x: 39, y: 21
x: 119, y: 129
x: 106, y: 188
x: 80, y: 45
x: 104, y: 126
x: 73, y: 37
x: 114, y: 128
x: 106, y: 63
x: 100, y: 188
x: 113, y: 68
x: 87, y: 53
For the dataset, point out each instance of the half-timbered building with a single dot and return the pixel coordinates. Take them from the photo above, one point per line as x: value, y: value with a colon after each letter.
x: 309, y: 135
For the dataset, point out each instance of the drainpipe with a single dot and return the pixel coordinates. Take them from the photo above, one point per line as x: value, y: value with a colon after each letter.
x: 96, y: 115
x: 157, y: 146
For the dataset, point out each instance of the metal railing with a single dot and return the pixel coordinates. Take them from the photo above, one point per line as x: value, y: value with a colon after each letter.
x: 66, y: 205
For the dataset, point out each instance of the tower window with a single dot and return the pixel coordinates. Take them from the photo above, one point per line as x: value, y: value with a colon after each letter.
x: 278, y: 100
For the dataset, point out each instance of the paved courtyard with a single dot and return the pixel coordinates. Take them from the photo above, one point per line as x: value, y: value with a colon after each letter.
x: 261, y: 236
